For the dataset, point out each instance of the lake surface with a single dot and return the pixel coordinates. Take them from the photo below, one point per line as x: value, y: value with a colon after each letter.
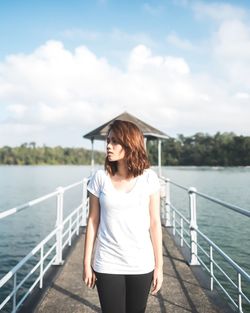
x: 20, y: 184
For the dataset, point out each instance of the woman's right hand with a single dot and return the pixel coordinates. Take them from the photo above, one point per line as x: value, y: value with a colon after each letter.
x: 89, y: 276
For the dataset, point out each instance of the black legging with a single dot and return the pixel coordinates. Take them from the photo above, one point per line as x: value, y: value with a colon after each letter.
x: 123, y: 293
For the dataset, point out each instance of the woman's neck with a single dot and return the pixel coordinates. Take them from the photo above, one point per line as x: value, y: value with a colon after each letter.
x: 122, y: 170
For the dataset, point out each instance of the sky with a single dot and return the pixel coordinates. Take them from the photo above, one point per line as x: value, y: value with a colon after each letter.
x: 66, y: 67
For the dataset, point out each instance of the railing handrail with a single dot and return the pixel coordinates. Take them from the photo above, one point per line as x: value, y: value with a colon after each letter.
x: 180, y: 214
x: 213, y: 199
x: 225, y: 204
x: 195, y: 259
x: 222, y: 253
x: 27, y: 257
x: 31, y: 203
x: 219, y: 250
x: 70, y: 226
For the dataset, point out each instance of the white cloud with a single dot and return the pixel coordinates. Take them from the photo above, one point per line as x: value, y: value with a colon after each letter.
x: 182, y: 3
x: 218, y: 11
x: 17, y: 110
x: 231, y: 47
x: 153, y: 10
x: 242, y: 95
x: 113, y: 38
x: 233, y: 40
x: 54, y: 96
x: 228, y: 48
x: 81, y: 34
x: 181, y: 43
x: 138, y: 38
x: 142, y: 58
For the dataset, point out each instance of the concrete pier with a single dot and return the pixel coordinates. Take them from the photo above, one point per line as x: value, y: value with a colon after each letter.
x: 181, y: 292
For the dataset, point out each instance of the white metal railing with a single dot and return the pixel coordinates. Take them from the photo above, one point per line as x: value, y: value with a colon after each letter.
x: 61, y: 236
x: 169, y: 217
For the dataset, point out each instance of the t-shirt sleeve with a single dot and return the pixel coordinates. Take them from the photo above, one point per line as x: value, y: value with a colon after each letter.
x: 153, y: 181
x: 95, y: 183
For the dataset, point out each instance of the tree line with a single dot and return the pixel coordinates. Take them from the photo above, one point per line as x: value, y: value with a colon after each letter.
x: 222, y: 149
x: 30, y: 154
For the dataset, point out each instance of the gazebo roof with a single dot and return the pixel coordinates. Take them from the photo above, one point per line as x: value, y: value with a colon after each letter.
x: 149, y: 132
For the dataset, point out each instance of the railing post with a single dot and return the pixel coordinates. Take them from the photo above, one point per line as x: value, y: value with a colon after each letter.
x: 14, y: 295
x: 211, y: 269
x: 167, y: 208
x: 159, y: 157
x: 84, y: 202
x: 41, y: 266
x: 173, y: 222
x: 78, y: 222
x: 163, y: 200
x: 182, y: 237
x: 70, y: 231
x: 239, y: 294
x: 59, y: 225
x: 193, y: 226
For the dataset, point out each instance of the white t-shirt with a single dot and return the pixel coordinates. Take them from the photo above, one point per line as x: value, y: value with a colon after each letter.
x: 123, y: 244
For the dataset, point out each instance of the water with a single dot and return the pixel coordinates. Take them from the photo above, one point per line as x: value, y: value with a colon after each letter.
x: 20, y: 184
x: 225, y: 227
x: 21, y: 232
x: 228, y: 229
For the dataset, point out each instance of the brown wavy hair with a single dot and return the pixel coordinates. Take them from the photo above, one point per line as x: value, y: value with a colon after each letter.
x: 130, y: 137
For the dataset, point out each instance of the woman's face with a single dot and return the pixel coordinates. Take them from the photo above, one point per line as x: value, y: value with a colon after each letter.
x: 115, y: 151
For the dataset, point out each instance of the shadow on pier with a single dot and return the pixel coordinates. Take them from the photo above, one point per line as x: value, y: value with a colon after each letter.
x: 181, y: 292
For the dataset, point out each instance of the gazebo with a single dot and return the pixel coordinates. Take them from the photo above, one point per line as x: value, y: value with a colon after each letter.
x: 149, y: 132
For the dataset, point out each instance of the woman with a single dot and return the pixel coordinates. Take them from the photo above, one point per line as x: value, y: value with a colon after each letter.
x: 124, y: 229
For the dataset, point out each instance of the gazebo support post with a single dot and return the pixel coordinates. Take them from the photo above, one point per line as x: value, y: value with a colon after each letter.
x: 159, y: 157
x: 149, y: 133
x: 92, y: 154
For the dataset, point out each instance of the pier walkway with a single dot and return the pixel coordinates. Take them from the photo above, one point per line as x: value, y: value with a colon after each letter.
x: 180, y: 292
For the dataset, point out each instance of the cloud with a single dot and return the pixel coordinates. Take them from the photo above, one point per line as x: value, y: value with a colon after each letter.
x: 178, y: 42
x: 17, y: 110
x: 233, y: 40
x: 54, y: 95
x: 153, y: 10
x: 182, y: 3
x: 141, y: 59
x: 218, y: 11
x: 242, y: 95
x: 114, y: 36
x: 231, y: 49
x: 137, y: 38
x: 81, y: 34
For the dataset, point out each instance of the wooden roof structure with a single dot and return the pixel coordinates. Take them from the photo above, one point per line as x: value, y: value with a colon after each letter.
x: 149, y: 132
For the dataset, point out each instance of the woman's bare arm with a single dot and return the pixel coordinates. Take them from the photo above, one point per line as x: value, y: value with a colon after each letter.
x: 156, y: 237
x: 90, y: 236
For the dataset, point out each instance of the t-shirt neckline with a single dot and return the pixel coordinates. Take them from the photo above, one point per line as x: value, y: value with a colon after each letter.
x: 121, y: 191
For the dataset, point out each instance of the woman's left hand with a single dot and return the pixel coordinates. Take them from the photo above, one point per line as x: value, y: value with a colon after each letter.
x: 157, y: 280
